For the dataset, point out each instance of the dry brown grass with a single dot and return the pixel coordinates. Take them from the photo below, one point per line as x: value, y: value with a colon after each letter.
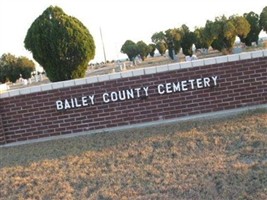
x: 208, y: 159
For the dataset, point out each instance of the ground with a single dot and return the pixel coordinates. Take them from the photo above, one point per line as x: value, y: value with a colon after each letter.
x: 223, y: 158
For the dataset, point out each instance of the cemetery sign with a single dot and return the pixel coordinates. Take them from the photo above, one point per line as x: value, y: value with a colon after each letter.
x: 133, y: 93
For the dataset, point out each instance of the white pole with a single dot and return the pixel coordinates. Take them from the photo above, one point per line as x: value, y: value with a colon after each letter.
x: 103, y: 45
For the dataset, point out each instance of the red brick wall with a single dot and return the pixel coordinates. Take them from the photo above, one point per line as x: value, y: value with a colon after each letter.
x: 31, y: 116
x: 2, y: 135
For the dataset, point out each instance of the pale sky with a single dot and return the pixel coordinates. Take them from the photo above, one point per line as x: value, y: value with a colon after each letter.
x: 119, y: 20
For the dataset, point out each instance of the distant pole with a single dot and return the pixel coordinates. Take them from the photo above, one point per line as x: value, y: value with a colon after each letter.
x: 103, y: 45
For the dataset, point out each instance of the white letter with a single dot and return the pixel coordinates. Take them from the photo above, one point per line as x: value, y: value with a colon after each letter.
x: 59, y: 105
x: 106, y: 100
x: 168, y: 88
x: 84, y: 101
x: 138, y: 91
x: 176, y: 87
x: 92, y: 98
x: 122, y: 96
x: 77, y: 103
x: 114, y: 96
x: 67, y: 105
x: 159, y: 91
x: 130, y: 94
x: 184, y: 85
x: 72, y: 103
x: 214, y: 78
x: 191, y: 81
x: 199, y: 83
x: 206, y: 82
x: 146, y: 90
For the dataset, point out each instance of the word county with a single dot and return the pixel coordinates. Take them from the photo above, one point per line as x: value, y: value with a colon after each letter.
x: 122, y: 95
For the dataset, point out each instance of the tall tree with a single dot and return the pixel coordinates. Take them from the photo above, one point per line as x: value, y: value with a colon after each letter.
x: 61, y: 44
x: 242, y: 26
x: 3, y: 69
x: 9, y: 63
x: 12, y: 68
x: 225, y: 35
x: 200, y: 39
x: 152, y: 48
x: 159, y: 39
x: 210, y: 33
x: 173, y: 41
x: 26, y: 67
x: 143, y: 49
x: 263, y: 19
x: 161, y: 47
x: 226, y: 32
x: 255, y: 29
x: 131, y: 49
x: 188, y: 39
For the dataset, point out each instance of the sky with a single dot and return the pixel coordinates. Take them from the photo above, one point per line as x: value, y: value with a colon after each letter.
x: 119, y: 20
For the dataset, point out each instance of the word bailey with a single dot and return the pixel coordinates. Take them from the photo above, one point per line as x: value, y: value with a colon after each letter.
x: 133, y: 93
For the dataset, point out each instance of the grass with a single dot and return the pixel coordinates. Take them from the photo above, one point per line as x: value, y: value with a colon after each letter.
x: 222, y: 158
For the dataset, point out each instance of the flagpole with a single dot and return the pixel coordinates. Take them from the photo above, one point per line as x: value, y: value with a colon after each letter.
x: 103, y: 45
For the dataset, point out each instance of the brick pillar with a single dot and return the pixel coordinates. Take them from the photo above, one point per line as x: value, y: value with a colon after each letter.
x: 2, y: 134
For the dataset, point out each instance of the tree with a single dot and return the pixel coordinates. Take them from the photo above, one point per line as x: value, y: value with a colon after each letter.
x: 13, y: 73
x: 152, y: 48
x: 199, y: 38
x: 131, y: 49
x: 170, y: 39
x: 263, y: 19
x: 173, y: 41
x: 242, y: 26
x: 226, y: 31
x: 3, y: 77
x: 161, y: 47
x: 12, y: 68
x: 143, y: 49
x: 158, y: 37
x: 255, y: 29
x: 3, y: 70
x: 10, y: 71
x: 225, y: 37
x: 188, y: 39
x: 208, y: 34
x: 26, y: 67
x: 160, y: 40
x: 61, y: 44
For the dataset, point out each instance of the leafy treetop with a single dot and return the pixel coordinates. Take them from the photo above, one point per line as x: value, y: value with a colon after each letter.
x: 61, y: 44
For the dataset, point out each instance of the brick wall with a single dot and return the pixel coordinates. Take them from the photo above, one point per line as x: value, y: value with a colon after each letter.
x: 32, y: 113
x: 2, y: 135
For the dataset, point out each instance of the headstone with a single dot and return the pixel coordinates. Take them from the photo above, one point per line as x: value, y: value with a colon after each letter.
x: 187, y: 58
x: 194, y: 57
x: 41, y: 77
x: 124, y: 66
x: 237, y: 50
x: 193, y: 48
x: 25, y: 82
x: 3, y: 87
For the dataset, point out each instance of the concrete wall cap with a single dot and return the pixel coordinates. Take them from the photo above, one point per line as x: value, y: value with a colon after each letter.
x: 245, y: 56
x: 150, y: 70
